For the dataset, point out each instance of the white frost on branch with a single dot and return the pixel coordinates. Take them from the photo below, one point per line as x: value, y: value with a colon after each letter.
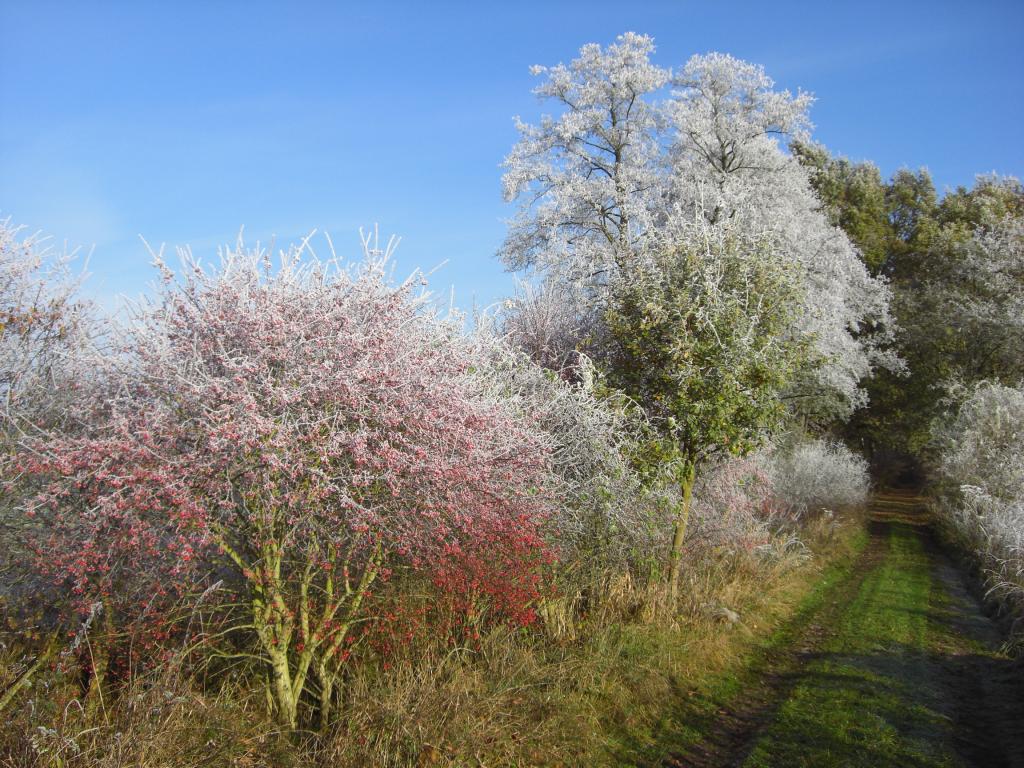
x: 622, y: 163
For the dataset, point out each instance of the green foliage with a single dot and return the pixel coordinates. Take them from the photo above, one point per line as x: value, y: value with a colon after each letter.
x: 887, y: 221
x: 911, y: 206
x: 699, y: 334
x: 991, y: 199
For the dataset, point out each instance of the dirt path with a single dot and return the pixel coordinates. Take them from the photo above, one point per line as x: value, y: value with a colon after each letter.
x: 898, y: 667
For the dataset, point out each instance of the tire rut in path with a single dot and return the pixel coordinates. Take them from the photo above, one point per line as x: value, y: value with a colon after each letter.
x: 769, y: 681
x: 986, y: 691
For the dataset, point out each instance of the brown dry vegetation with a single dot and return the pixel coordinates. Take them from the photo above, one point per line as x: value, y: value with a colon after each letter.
x: 591, y: 688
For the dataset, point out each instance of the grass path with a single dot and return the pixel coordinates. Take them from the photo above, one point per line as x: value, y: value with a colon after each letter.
x: 895, y: 665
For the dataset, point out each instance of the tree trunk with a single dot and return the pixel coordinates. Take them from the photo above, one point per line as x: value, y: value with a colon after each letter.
x: 679, y: 534
x: 326, y: 679
x: 287, y: 704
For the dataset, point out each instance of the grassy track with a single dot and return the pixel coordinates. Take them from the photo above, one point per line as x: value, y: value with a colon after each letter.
x: 898, y: 667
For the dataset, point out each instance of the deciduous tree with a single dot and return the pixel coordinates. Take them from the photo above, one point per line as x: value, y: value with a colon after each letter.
x: 699, y: 334
x: 617, y: 167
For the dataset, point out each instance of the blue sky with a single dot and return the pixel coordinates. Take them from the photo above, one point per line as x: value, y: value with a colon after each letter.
x: 184, y: 121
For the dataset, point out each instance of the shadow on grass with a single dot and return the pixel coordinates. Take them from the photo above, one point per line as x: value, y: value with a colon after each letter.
x: 897, y: 707
x: 900, y: 707
x: 906, y: 677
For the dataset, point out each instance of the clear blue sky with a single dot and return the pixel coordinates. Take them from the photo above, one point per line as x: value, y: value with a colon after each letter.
x: 183, y: 121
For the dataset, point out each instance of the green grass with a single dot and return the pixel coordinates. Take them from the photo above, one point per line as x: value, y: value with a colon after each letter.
x: 870, y: 700
x: 694, y: 707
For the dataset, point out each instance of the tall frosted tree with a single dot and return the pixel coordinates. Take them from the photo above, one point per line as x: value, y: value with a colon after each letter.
x: 636, y: 149
x: 711, y: 286
x: 979, y: 296
x: 726, y: 157
x: 586, y: 177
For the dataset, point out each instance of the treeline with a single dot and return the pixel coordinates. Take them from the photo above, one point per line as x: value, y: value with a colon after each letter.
x: 296, y: 489
x: 952, y: 419
x: 955, y: 268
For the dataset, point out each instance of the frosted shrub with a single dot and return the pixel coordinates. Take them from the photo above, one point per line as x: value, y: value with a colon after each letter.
x: 548, y: 322
x: 604, y: 512
x: 733, y: 504
x: 46, y: 330
x: 296, y: 432
x: 815, y: 475
x: 982, y: 489
x: 992, y: 529
x: 983, y: 445
x: 744, y: 503
x: 48, y: 340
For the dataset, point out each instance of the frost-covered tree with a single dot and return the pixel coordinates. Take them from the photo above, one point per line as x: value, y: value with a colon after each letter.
x: 618, y: 167
x: 853, y: 195
x: 698, y: 333
x: 985, y: 299
x: 726, y: 156
x: 728, y: 121
x: 587, y: 176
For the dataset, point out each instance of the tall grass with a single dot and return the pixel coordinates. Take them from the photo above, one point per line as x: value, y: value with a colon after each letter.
x: 511, y: 697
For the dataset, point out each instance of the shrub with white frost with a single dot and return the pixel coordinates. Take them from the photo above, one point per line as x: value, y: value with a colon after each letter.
x: 733, y: 504
x: 740, y: 502
x: 548, y: 322
x: 983, y: 445
x: 46, y: 330
x: 816, y: 475
x: 604, y: 510
x: 48, y: 356
x: 981, y: 494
